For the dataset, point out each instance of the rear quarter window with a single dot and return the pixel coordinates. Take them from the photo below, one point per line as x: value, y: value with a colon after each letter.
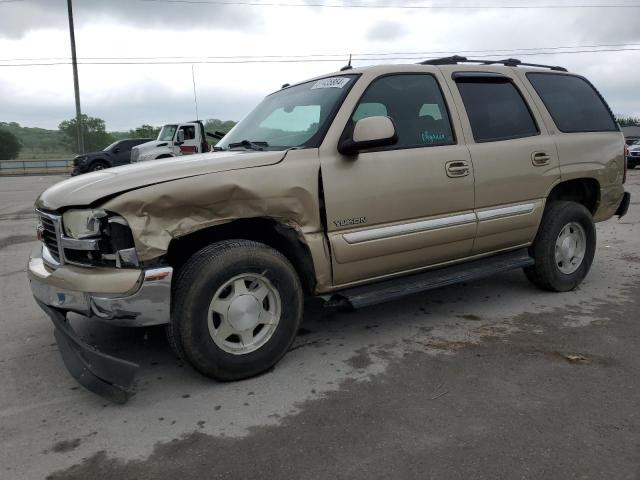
x: 573, y: 103
x: 496, y: 110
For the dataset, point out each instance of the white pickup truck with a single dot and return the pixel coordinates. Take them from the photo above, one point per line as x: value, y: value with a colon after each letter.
x: 174, y: 140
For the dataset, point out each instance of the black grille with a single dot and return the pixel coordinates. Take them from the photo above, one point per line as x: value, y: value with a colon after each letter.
x: 49, y: 237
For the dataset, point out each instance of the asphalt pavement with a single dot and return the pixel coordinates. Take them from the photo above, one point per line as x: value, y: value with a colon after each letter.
x: 489, y: 379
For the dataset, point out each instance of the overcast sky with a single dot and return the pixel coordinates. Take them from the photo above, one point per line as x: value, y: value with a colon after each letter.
x: 126, y: 96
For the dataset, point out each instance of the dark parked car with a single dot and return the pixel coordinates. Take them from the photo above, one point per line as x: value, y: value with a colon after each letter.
x: 633, y: 155
x: 118, y: 153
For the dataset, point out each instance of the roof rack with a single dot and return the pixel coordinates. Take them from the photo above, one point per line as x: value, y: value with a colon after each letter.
x: 507, y: 62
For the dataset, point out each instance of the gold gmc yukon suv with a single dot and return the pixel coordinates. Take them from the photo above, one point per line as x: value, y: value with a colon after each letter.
x: 360, y: 186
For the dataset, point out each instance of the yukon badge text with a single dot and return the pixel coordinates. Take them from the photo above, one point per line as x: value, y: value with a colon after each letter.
x: 343, y: 222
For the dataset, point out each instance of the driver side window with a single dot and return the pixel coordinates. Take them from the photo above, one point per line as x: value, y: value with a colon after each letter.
x: 415, y: 104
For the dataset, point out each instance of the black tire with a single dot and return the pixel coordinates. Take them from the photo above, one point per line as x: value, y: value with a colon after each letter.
x: 546, y: 273
x: 202, y: 275
x: 159, y: 157
x: 98, y: 165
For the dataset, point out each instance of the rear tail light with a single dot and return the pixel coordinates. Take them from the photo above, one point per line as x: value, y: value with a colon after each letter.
x: 626, y: 154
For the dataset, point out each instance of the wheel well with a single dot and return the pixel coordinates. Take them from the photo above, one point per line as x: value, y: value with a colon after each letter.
x: 164, y: 155
x: 281, y: 237
x: 585, y: 191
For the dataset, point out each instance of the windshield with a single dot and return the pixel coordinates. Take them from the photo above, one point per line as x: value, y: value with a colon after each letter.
x: 106, y: 149
x: 167, y: 133
x: 293, y: 117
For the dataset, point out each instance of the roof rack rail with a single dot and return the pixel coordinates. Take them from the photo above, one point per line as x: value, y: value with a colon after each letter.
x: 508, y: 62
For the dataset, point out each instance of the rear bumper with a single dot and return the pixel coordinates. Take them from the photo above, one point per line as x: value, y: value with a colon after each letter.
x: 623, y: 208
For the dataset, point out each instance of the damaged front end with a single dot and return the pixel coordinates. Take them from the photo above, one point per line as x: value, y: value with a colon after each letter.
x: 106, y: 240
x: 86, y: 264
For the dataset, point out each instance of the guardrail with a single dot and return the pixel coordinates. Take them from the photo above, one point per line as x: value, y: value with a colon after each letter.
x: 35, y: 167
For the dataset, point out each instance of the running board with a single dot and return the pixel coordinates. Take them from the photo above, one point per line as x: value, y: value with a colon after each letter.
x: 396, y: 288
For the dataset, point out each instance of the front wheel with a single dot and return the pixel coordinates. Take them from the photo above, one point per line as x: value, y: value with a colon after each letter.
x: 97, y: 166
x: 236, y: 309
x: 564, y: 247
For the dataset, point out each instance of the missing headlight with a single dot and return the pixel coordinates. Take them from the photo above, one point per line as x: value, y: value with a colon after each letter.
x: 81, y: 224
x: 121, y: 239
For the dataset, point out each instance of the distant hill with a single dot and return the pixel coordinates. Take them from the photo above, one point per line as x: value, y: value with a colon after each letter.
x: 38, y: 142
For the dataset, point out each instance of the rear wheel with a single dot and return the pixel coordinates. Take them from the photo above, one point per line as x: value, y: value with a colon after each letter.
x: 564, y: 247
x: 236, y: 309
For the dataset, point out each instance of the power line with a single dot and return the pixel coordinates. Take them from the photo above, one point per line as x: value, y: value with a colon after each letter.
x: 295, y: 60
x: 399, y: 7
x: 338, y: 56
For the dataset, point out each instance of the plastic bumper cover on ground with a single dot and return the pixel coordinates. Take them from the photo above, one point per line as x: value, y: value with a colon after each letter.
x: 108, y: 376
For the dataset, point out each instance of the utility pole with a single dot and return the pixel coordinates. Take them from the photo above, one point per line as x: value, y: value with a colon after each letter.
x: 76, y: 84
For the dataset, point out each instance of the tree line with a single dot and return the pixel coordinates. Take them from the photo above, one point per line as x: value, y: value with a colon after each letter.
x: 35, y: 142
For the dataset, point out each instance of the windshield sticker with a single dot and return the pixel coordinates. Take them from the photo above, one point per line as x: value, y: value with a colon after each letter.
x: 334, y: 82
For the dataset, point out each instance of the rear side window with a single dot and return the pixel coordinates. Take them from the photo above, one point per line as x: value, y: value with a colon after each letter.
x: 496, y: 109
x: 573, y: 103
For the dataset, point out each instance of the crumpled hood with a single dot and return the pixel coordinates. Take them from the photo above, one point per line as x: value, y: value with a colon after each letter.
x: 86, y: 189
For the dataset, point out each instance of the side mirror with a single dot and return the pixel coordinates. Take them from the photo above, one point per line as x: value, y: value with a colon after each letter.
x: 179, y: 137
x: 116, y: 150
x: 370, y: 132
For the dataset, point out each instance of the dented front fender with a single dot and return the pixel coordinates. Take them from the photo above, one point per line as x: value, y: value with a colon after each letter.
x: 286, y: 191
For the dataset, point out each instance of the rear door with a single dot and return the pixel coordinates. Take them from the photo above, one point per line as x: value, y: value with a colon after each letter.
x: 515, y: 160
x: 404, y: 207
x: 590, y: 143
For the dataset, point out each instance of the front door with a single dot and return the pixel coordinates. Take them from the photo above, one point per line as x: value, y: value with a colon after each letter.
x: 123, y: 155
x: 404, y: 207
x: 191, y: 144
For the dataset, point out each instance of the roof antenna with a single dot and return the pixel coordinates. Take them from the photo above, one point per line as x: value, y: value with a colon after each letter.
x: 195, y: 96
x: 347, y: 66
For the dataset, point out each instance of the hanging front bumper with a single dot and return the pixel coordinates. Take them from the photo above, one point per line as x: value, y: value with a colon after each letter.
x: 122, y: 297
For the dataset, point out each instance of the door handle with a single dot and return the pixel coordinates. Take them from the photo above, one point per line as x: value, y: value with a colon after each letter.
x: 540, y: 158
x: 457, y: 168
